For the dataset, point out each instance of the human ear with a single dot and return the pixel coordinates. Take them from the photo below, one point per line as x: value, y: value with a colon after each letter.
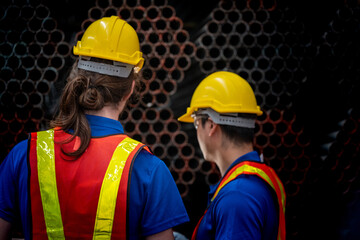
x: 213, y: 127
x: 131, y: 91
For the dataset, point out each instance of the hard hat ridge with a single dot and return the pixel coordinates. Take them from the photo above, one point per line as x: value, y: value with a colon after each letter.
x: 224, y: 92
x: 113, y: 39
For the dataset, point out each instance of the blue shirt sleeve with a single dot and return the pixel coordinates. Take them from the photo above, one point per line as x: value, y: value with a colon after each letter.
x: 245, y: 210
x: 164, y: 208
x: 7, y: 190
x: 13, y: 182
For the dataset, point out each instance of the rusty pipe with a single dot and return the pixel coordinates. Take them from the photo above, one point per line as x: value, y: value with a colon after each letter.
x: 50, y: 74
x: 21, y: 99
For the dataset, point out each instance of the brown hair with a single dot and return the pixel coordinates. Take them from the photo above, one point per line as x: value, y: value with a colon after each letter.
x: 87, y: 90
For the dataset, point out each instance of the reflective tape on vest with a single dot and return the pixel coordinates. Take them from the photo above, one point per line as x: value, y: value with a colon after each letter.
x: 109, y: 189
x: 47, y: 184
x: 267, y: 174
x: 116, y: 177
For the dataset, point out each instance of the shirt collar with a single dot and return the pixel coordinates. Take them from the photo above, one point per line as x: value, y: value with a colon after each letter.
x: 102, y: 126
x: 251, y: 156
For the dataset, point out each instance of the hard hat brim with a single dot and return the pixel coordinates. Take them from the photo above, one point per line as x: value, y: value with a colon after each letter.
x: 187, y: 116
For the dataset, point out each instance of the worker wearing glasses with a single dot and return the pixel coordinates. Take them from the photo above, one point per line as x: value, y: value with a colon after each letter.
x: 249, y: 200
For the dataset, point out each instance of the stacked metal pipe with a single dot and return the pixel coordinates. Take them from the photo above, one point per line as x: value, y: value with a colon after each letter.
x: 281, y: 139
x: 254, y: 41
x: 269, y: 47
x: 341, y: 150
x: 33, y: 51
x: 263, y: 42
x: 257, y: 44
x: 168, y: 53
x: 344, y: 153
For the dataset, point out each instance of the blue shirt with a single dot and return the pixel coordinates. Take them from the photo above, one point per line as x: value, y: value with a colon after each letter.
x: 244, y: 208
x: 155, y: 203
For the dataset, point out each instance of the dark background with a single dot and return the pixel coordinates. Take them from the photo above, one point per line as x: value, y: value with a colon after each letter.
x: 303, y: 65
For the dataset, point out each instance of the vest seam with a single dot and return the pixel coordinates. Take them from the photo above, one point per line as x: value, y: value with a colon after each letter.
x: 128, y: 187
x: 28, y: 184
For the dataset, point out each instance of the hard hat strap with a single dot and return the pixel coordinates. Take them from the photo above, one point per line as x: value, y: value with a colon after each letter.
x: 231, y: 119
x: 118, y: 69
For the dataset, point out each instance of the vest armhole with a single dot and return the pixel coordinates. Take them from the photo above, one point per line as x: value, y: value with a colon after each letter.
x: 143, y: 146
x: 28, y: 184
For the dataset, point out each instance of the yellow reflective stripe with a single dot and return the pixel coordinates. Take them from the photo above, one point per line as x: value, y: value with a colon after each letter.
x: 47, y: 183
x: 281, y: 187
x: 239, y: 171
x: 109, y: 189
x: 265, y: 176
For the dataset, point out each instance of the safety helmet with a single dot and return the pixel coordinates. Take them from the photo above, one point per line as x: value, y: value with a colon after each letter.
x: 111, y: 38
x: 225, y: 93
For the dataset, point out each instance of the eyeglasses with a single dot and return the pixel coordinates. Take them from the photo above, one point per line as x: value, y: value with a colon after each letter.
x: 196, y: 119
x: 196, y: 123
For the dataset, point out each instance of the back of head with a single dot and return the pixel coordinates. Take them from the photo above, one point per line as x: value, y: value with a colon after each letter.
x: 109, y: 60
x: 230, y: 102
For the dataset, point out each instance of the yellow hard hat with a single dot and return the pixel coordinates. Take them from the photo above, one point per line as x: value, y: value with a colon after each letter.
x: 224, y: 92
x: 111, y: 38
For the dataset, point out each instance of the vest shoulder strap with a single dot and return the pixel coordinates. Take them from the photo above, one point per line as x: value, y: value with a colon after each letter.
x: 268, y: 175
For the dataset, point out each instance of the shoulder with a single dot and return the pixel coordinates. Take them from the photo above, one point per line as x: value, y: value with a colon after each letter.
x: 17, y: 156
x: 148, y: 164
x: 146, y: 158
x: 19, y: 148
x: 153, y: 186
x: 243, y: 208
x: 13, y: 169
x: 246, y: 193
x: 248, y: 184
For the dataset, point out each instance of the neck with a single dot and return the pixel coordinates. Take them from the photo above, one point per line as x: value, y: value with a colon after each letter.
x: 109, y: 111
x: 227, y: 155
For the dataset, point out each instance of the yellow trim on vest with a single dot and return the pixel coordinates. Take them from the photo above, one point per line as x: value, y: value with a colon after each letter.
x: 47, y: 183
x: 282, y: 193
x: 265, y: 176
x: 109, y: 189
x: 238, y: 171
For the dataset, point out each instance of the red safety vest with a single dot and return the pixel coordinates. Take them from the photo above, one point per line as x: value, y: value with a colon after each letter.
x: 84, y: 198
x: 268, y: 175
